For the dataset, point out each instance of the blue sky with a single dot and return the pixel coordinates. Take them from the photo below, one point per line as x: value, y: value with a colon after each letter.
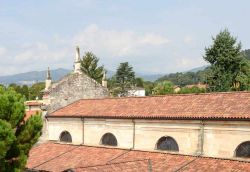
x: 160, y: 36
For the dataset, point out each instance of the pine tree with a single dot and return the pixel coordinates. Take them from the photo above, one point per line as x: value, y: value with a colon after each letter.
x: 229, y: 68
x: 16, y: 135
x: 125, y: 78
x: 89, y: 66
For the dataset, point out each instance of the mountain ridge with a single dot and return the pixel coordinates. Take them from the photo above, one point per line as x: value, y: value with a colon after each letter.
x: 32, y: 77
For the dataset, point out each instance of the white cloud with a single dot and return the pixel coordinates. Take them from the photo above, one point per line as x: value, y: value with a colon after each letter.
x: 188, y: 39
x: 2, y: 51
x: 147, y: 52
x: 116, y: 43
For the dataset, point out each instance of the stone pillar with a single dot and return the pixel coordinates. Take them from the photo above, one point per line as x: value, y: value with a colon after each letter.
x: 77, y: 63
x: 48, y: 81
x: 104, y: 80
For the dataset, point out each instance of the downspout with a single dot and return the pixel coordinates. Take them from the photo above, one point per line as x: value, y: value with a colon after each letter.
x: 82, y: 130
x: 133, y: 134
x: 202, y: 137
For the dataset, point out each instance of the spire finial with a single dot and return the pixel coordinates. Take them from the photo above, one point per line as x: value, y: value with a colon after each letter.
x: 77, y: 59
x: 104, y: 79
x: 104, y: 75
x: 48, y: 74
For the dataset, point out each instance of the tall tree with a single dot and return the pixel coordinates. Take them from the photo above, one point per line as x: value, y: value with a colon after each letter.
x: 89, y: 66
x: 125, y: 77
x: 229, y: 68
x: 16, y: 135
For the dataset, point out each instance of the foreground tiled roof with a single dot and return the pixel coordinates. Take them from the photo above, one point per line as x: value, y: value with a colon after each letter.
x: 59, y: 157
x: 177, y: 106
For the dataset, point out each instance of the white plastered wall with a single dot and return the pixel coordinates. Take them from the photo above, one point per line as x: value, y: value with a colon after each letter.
x: 185, y: 133
x: 73, y: 125
x: 122, y: 129
x: 221, y: 138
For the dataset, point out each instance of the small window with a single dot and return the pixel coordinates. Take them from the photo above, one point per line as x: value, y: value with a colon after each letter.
x: 65, y: 137
x: 167, y: 143
x: 109, y: 139
x: 243, y: 150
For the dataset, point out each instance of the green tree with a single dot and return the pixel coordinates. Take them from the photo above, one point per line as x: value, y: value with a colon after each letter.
x: 125, y: 78
x: 35, y: 90
x: 89, y: 66
x: 229, y: 68
x: 149, y: 86
x: 195, y: 89
x: 162, y: 88
x: 139, y: 82
x: 16, y: 135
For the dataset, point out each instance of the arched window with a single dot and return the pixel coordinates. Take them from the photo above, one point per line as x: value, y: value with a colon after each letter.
x: 109, y: 139
x: 167, y: 143
x: 65, y: 137
x: 243, y: 150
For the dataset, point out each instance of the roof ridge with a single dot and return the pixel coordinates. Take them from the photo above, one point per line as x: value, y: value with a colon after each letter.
x: 153, y: 152
x: 169, y: 95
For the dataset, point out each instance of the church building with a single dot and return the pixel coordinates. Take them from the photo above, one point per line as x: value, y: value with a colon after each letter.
x: 88, y: 131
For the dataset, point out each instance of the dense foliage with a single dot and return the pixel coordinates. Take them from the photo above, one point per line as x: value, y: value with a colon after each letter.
x: 89, y: 66
x: 123, y: 80
x: 30, y: 93
x: 186, y: 78
x: 165, y: 87
x: 16, y: 135
x: 229, y: 68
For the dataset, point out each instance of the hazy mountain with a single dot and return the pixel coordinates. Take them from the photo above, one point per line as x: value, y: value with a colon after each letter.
x: 32, y: 77
x: 198, y: 68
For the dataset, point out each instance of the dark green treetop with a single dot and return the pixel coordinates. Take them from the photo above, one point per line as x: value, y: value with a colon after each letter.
x: 89, y: 66
x: 124, y: 78
x: 229, y: 68
x: 17, y: 136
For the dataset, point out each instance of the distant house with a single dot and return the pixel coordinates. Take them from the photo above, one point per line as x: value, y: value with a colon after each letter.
x: 136, y: 92
x: 32, y: 107
x: 176, y: 89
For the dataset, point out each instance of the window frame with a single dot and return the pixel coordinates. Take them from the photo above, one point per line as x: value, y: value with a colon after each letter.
x: 61, y: 135
x: 171, y: 139
x: 112, y: 136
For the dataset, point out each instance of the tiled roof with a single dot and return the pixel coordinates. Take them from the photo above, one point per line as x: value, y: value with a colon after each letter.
x: 59, y: 157
x: 232, y: 105
x: 33, y: 103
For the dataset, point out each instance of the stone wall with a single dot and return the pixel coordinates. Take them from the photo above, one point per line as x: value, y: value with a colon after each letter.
x: 72, y: 88
x: 194, y: 137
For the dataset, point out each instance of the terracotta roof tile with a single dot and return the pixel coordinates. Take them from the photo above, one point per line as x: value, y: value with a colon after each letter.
x: 59, y: 157
x: 200, y: 106
x: 33, y: 103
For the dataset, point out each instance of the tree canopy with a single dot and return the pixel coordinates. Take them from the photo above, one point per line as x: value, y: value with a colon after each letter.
x: 165, y: 87
x: 89, y: 66
x: 124, y: 77
x: 17, y: 136
x: 229, y: 67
